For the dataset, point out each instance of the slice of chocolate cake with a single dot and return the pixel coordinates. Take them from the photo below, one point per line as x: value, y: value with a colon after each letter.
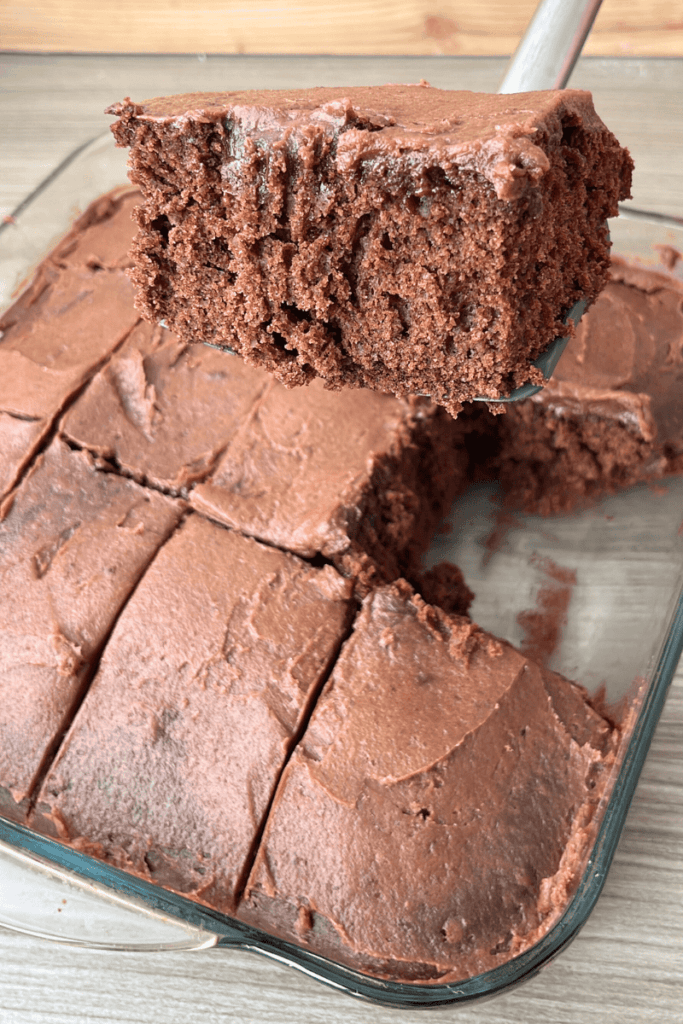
x: 73, y: 543
x: 172, y: 760
x: 612, y: 415
x: 358, y: 477
x: 436, y: 816
x: 163, y: 411
x: 403, y: 238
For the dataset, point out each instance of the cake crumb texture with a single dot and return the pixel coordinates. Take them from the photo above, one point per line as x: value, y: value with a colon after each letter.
x: 403, y: 238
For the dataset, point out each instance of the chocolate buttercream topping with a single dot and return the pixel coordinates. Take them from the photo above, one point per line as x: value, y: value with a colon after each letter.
x: 437, y: 812
x: 490, y: 134
x: 73, y: 544
x: 51, y: 340
x: 102, y: 237
x: 20, y: 437
x: 162, y: 410
x: 174, y: 755
x: 49, y: 349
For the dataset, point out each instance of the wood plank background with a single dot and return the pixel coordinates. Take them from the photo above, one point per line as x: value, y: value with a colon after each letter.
x: 462, y: 27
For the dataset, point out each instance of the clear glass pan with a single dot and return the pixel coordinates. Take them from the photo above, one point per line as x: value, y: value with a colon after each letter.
x: 623, y: 633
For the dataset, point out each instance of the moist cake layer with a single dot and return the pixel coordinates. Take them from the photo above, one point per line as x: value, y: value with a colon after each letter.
x: 435, y: 817
x: 172, y: 760
x: 613, y: 413
x: 73, y: 543
x: 403, y: 238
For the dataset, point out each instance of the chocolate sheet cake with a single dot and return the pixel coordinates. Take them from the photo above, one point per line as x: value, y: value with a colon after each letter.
x: 403, y: 238
x: 436, y: 815
x: 445, y: 781
x: 73, y: 543
x: 171, y: 762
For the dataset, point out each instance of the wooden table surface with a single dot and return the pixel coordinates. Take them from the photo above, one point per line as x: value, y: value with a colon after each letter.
x: 464, y: 27
x: 626, y: 966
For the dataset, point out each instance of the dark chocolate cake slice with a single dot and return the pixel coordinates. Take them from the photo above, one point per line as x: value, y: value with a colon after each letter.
x: 403, y: 238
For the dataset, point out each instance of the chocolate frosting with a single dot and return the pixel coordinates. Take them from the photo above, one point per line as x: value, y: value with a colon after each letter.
x: 102, y: 237
x: 488, y: 133
x: 436, y: 814
x: 51, y: 340
x: 19, y: 439
x: 173, y: 757
x: 164, y: 411
x: 73, y: 544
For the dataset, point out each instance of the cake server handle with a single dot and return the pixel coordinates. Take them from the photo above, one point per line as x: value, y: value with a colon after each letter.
x: 551, y: 45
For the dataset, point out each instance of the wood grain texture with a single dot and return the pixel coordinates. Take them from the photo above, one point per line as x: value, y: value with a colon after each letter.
x: 463, y: 27
x: 626, y: 966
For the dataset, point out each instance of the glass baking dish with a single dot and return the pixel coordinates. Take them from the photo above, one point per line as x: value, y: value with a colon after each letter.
x: 622, y: 636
